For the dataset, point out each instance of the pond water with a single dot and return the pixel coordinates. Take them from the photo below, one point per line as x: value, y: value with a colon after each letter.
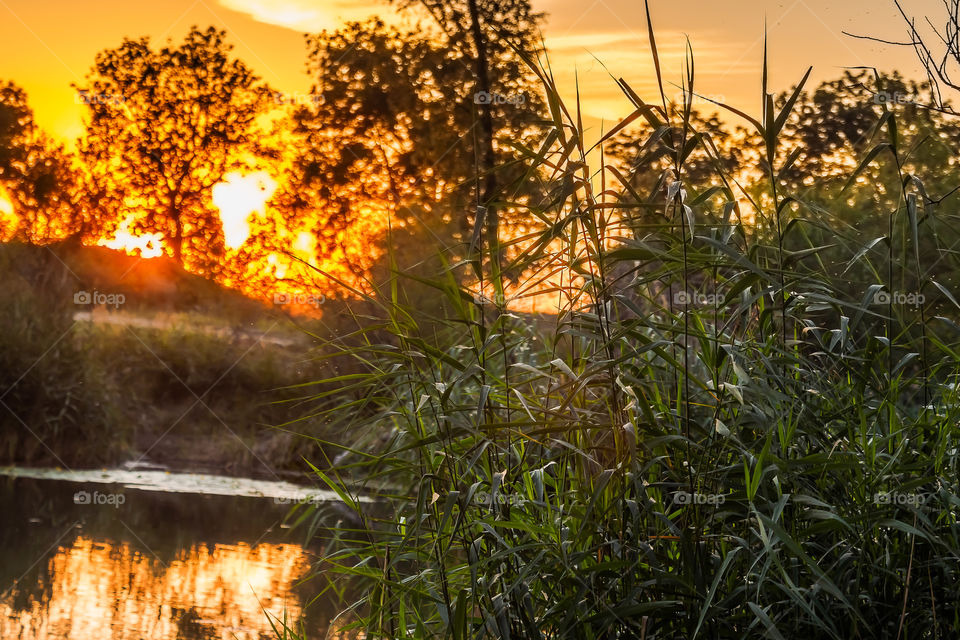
x: 154, y: 556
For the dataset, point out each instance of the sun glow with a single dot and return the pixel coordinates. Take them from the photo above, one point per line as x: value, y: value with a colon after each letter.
x: 238, y: 197
x: 146, y: 245
x: 9, y: 221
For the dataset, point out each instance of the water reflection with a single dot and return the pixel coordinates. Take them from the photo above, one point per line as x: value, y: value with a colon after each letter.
x: 157, y: 567
x: 101, y: 589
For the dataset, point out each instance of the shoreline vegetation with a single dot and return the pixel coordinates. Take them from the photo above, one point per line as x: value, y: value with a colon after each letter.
x: 743, y: 422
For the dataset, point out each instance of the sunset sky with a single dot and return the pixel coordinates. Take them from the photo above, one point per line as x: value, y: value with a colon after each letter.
x: 47, y: 44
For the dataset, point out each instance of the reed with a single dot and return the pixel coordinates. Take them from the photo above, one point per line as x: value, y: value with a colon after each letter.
x: 715, y: 437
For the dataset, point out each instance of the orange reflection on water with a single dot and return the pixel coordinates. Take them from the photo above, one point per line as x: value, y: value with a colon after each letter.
x: 95, y: 590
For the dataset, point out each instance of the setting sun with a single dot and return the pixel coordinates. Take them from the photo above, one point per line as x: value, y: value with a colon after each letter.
x: 238, y: 197
x: 7, y: 217
x: 146, y: 245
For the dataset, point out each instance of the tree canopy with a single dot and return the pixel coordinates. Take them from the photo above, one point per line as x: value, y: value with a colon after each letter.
x: 394, y: 118
x: 164, y: 126
x: 35, y: 174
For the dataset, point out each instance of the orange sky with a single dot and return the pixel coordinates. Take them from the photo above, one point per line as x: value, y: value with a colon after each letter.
x: 47, y: 44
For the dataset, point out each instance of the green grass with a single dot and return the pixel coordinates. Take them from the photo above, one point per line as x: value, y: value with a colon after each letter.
x: 535, y: 479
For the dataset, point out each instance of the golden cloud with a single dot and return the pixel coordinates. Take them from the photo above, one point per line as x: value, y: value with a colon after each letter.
x: 309, y: 15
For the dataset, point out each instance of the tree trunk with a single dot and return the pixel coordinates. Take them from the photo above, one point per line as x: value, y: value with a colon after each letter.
x: 177, y: 240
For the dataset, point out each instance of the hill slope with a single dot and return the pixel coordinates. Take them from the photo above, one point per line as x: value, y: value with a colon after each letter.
x: 106, y: 358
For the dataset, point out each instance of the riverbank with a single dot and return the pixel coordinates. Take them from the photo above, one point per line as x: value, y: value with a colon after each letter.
x: 177, y: 372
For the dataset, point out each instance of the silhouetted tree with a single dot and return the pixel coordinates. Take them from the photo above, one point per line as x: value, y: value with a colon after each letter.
x: 354, y: 153
x: 392, y: 119
x: 164, y: 126
x: 35, y: 173
x: 487, y: 35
